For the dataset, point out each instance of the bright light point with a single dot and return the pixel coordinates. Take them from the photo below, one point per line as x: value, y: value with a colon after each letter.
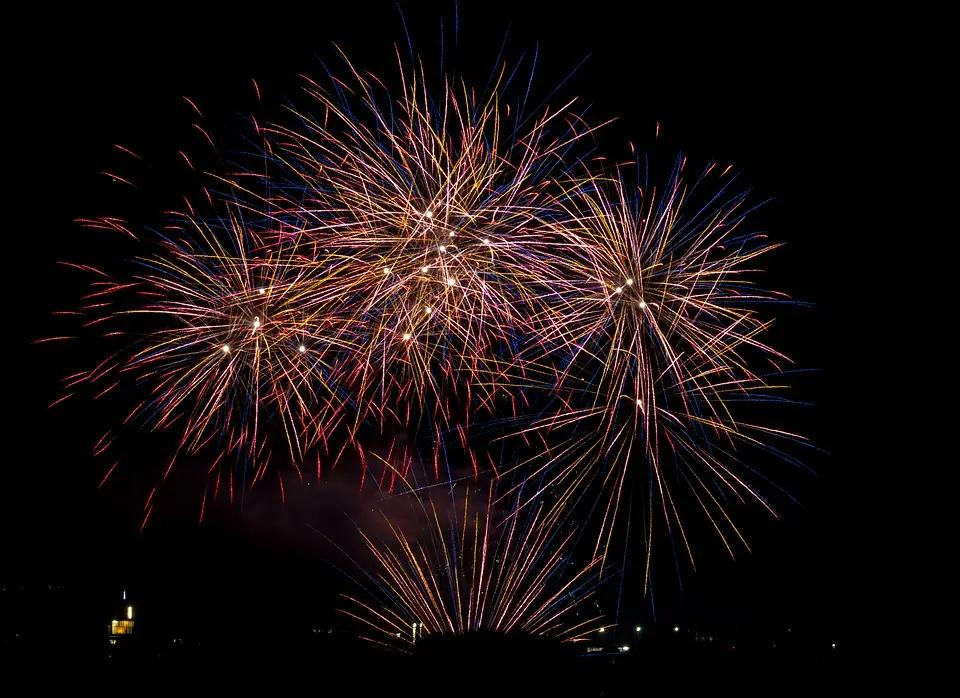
x: 425, y: 269
x: 429, y: 310
x: 261, y: 291
x: 442, y: 248
x: 619, y: 289
x: 428, y: 214
x: 629, y: 282
x: 386, y: 270
x: 833, y: 645
x: 451, y: 282
x: 225, y: 348
x: 452, y: 234
x: 486, y: 242
x: 406, y: 336
x: 639, y: 628
x: 626, y: 648
x: 642, y: 305
x: 639, y: 403
x: 256, y: 323
x: 301, y: 348
x: 676, y: 629
x: 601, y: 630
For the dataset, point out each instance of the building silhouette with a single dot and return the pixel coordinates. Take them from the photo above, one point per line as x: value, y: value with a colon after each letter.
x: 121, y: 627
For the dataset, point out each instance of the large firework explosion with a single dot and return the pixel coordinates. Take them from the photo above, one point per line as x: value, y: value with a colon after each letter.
x: 238, y: 339
x: 438, y: 263
x: 434, y: 216
x: 659, y: 337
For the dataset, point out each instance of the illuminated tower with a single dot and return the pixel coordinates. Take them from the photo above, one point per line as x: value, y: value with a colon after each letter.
x: 122, y: 626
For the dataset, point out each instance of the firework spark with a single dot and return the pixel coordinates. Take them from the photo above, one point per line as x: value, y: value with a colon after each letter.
x: 476, y: 568
x: 434, y: 264
x: 658, y: 338
x: 432, y: 212
x: 230, y: 338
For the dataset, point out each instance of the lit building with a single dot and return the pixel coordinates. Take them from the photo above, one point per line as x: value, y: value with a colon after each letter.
x: 123, y: 625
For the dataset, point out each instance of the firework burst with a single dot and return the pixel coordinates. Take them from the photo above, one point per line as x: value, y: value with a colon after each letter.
x: 432, y: 264
x: 230, y: 339
x: 658, y: 337
x: 476, y: 567
x: 433, y: 214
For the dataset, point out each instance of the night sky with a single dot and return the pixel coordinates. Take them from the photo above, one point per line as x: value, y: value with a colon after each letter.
x: 776, y: 103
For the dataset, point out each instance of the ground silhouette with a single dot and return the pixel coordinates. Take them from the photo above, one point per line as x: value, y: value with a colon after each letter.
x: 494, y: 663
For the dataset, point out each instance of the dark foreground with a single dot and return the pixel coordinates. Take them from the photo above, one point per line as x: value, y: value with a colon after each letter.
x: 484, y: 667
x: 56, y: 638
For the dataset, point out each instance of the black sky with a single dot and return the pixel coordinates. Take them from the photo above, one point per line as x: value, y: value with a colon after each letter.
x: 778, y: 100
